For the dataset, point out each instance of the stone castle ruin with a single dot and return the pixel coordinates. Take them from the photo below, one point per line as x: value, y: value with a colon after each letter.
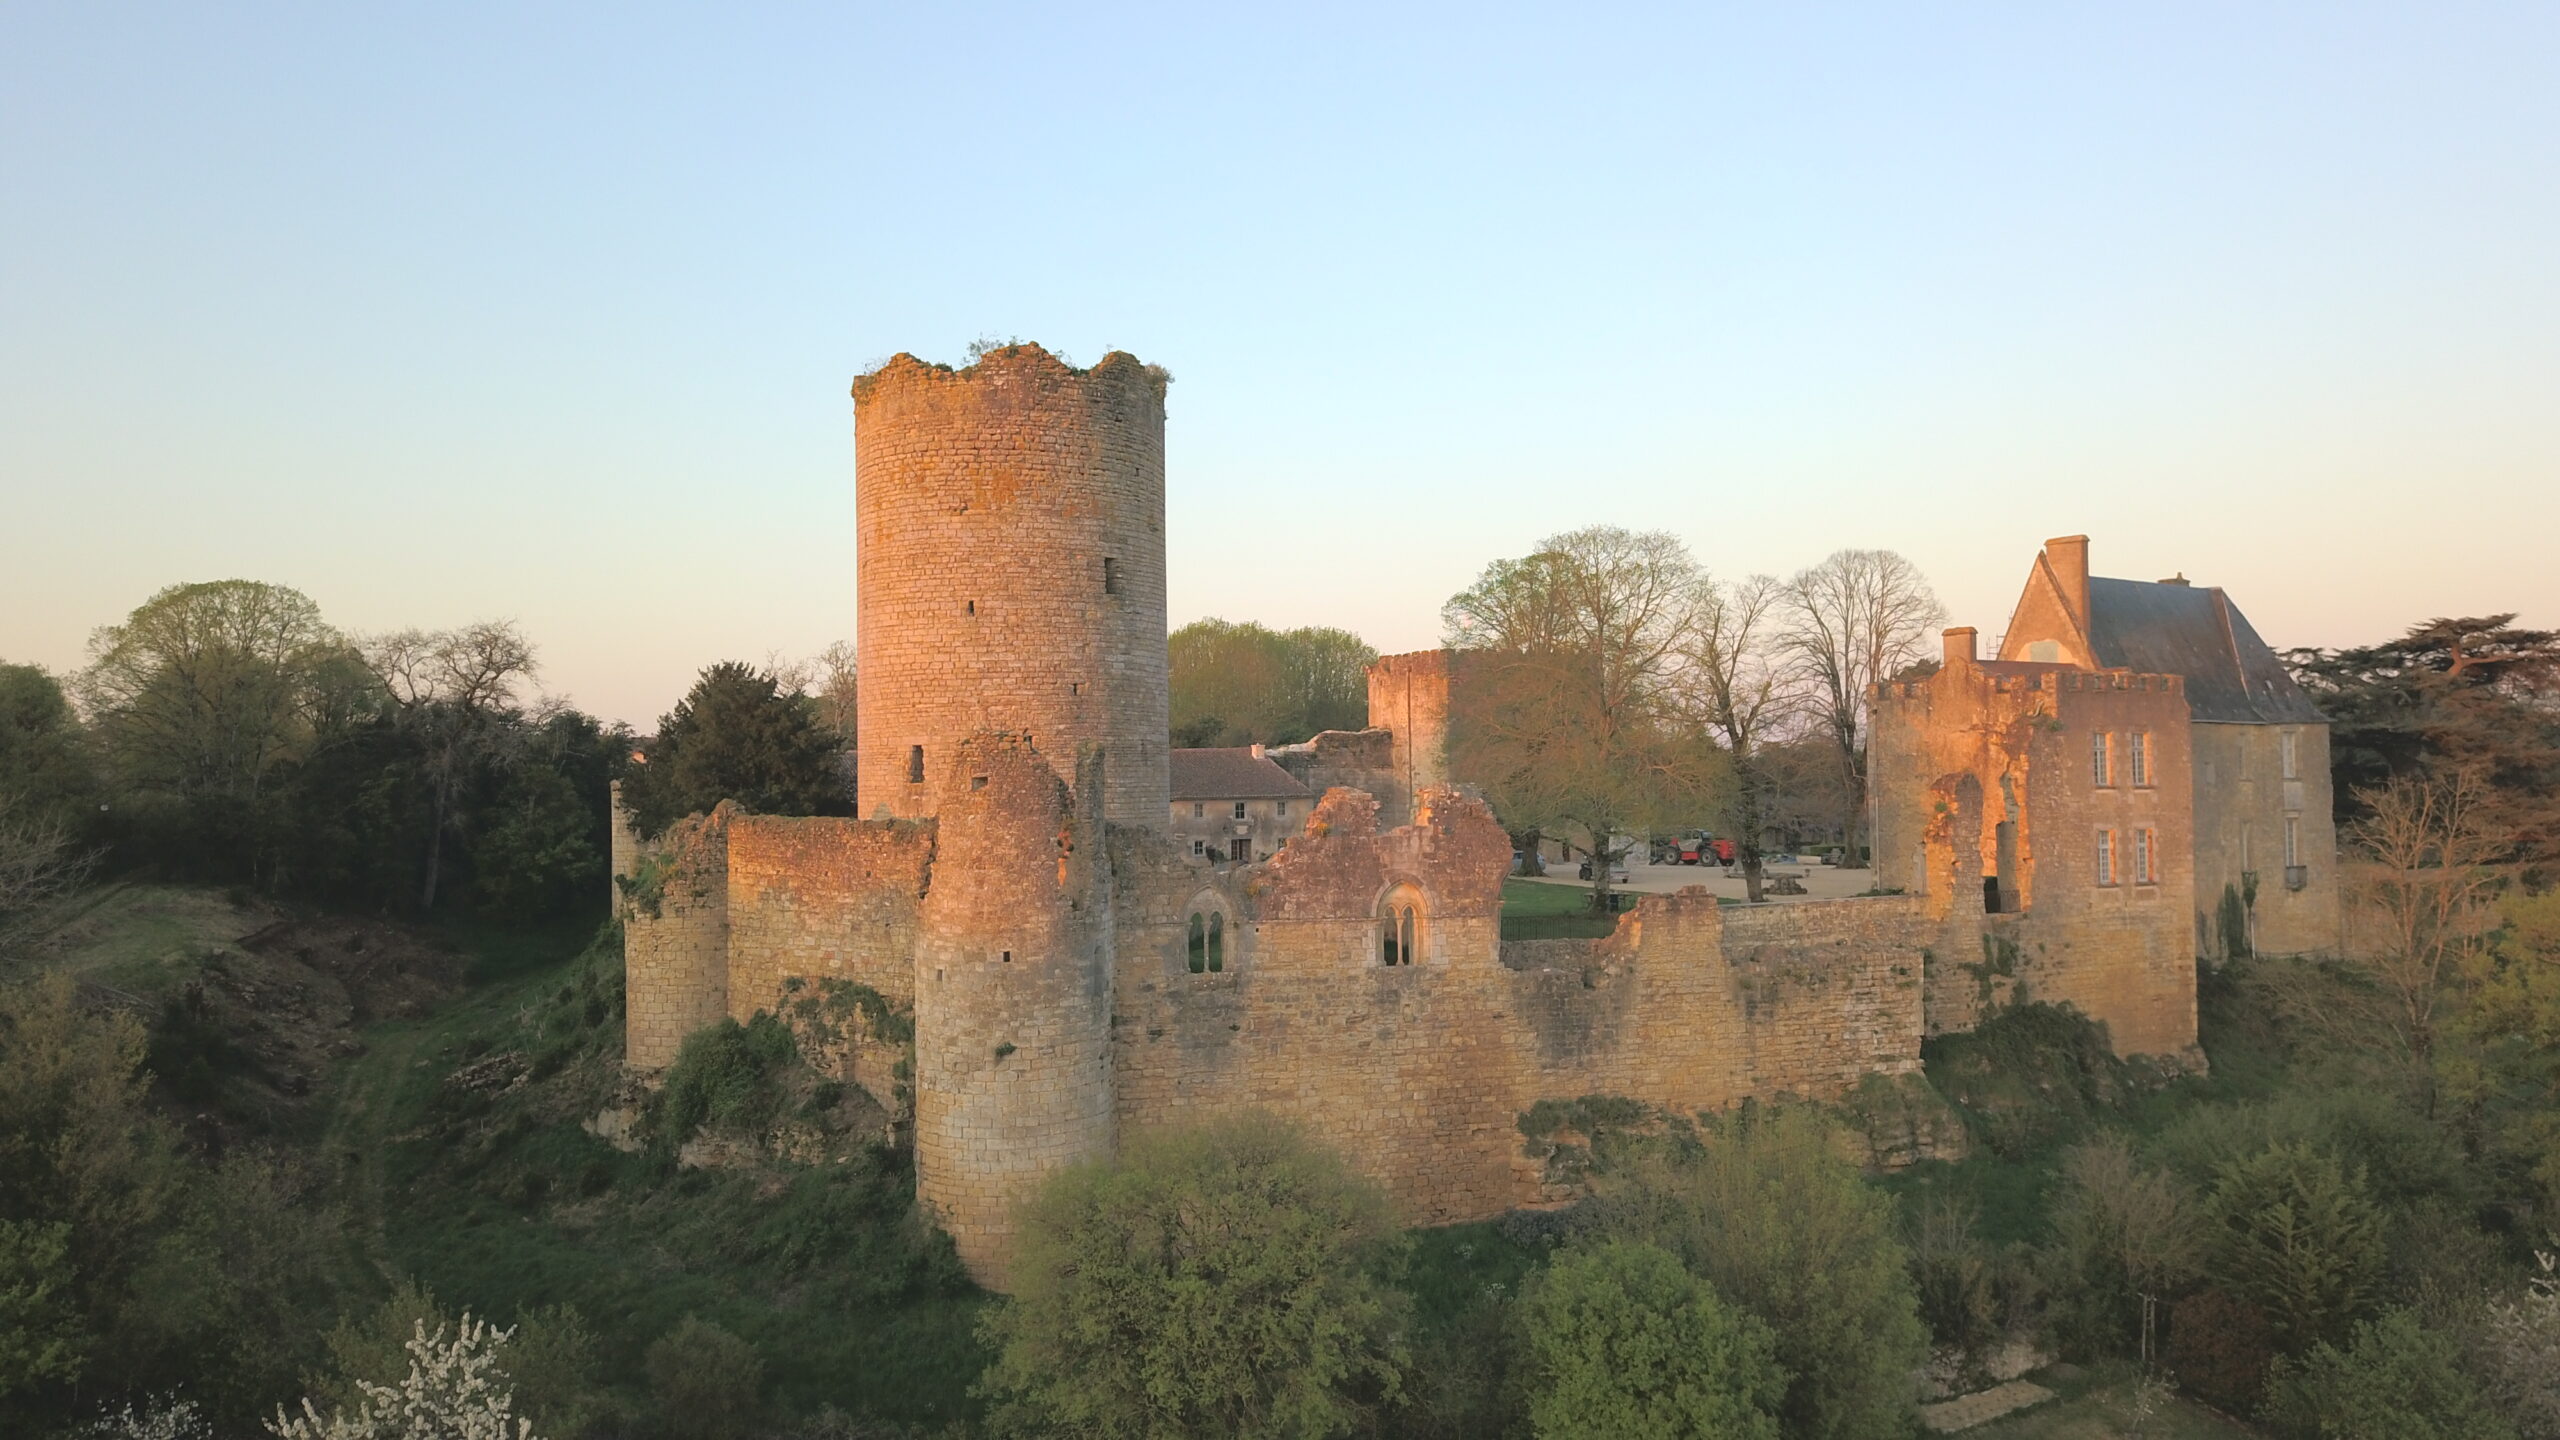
x: 1071, y: 976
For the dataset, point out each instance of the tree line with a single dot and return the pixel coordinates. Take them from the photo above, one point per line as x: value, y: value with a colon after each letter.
x: 226, y: 733
x: 1610, y: 687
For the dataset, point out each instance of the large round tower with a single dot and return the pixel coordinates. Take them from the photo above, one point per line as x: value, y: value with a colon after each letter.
x: 1013, y: 990
x: 1009, y: 533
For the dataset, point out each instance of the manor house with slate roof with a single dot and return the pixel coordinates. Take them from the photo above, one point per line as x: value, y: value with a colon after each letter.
x: 2215, y: 802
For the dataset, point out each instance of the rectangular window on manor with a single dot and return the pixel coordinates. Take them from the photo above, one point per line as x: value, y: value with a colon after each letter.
x: 2102, y: 759
x: 2146, y: 856
x: 2288, y: 748
x: 1239, y: 809
x: 2106, y: 858
x: 2137, y: 755
x: 2292, y: 841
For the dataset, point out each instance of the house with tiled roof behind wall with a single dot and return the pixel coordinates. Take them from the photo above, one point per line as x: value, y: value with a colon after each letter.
x: 2265, y: 832
x: 1233, y: 804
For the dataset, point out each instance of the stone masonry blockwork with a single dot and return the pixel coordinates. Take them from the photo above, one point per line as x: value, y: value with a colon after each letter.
x: 1010, y: 567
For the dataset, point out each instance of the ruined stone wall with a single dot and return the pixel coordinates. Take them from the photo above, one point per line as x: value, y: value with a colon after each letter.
x: 675, y: 939
x: 823, y: 899
x: 1009, y: 519
x: 1996, y: 768
x: 2242, y: 801
x: 1363, y: 760
x: 1419, y: 1073
x: 1409, y: 696
x: 625, y: 848
x: 1013, y: 991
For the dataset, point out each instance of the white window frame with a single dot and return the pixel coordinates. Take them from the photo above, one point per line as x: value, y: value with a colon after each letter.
x: 2102, y: 759
x: 2137, y: 758
x: 2105, y: 857
x: 2289, y: 748
x: 1239, y: 809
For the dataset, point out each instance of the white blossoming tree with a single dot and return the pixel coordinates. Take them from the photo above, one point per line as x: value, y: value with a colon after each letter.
x: 455, y: 1390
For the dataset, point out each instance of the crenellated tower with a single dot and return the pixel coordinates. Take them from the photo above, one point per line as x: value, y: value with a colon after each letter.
x: 1011, y: 571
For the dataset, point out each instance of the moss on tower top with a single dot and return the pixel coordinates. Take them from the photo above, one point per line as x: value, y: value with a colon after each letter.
x: 1008, y: 360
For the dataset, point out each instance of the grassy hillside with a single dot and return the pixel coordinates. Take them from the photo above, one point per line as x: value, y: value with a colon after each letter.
x: 464, y: 1138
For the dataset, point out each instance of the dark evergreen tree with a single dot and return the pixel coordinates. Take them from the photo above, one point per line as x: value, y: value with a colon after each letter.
x: 737, y: 735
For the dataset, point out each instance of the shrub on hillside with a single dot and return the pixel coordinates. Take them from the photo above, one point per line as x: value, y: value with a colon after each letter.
x: 2030, y: 1075
x: 453, y: 1390
x: 1624, y: 1344
x: 2121, y: 1231
x: 708, y: 1383
x: 2219, y: 1348
x: 2394, y: 1381
x: 1225, y: 1280
x: 2516, y: 1352
x: 1761, y: 1206
x: 728, y: 1077
x: 2294, y: 1234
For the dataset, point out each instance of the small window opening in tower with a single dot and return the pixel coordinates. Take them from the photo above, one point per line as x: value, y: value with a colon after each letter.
x: 915, y: 764
x: 1008, y: 957
x: 1199, y: 943
x: 1110, y: 576
x: 1217, y: 942
x: 973, y: 607
x: 1075, y: 687
x: 977, y: 782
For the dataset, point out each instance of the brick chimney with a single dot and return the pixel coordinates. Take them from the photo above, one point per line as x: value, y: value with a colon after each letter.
x: 2069, y: 557
x: 1957, y: 645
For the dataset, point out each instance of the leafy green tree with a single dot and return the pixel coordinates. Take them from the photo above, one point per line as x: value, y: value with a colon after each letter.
x: 39, y: 1338
x: 1224, y: 1280
x: 2295, y: 1234
x: 2394, y: 1381
x: 183, y: 1273
x: 1624, y: 1344
x: 200, y: 699
x: 1244, y: 683
x: 1566, y: 705
x: 737, y: 735
x: 44, y: 755
x: 1763, y: 1208
x: 2508, y: 1073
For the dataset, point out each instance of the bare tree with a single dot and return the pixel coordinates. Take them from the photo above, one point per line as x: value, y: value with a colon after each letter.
x: 453, y: 689
x: 1856, y: 619
x: 1566, y: 708
x: 835, y: 683
x: 2427, y: 888
x: 1744, y: 692
x: 38, y: 864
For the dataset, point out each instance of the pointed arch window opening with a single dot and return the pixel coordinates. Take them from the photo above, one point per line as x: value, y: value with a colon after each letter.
x: 1208, y: 942
x: 1400, y: 930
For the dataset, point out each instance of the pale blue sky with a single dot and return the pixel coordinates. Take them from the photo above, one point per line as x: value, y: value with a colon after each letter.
x: 447, y: 311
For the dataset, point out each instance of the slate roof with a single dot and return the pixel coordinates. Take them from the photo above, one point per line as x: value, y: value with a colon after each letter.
x: 1232, y: 774
x: 2195, y: 631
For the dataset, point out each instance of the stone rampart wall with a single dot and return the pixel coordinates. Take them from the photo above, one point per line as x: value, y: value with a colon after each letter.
x: 824, y: 899
x: 1419, y: 1073
x: 675, y: 940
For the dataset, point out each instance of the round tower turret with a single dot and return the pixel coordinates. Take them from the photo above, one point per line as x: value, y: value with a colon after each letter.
x: 1013, y: 991
x: 1010, y: 565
